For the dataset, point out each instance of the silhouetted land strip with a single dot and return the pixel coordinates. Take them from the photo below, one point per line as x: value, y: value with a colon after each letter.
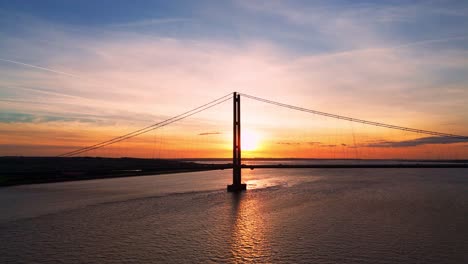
x: 29, y: 170
x: 328, y: 159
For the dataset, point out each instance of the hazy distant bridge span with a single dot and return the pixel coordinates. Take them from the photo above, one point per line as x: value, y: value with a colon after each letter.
x: 237, y: 165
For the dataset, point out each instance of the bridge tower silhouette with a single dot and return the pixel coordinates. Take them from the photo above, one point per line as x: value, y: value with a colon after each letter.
x: 237, y: 184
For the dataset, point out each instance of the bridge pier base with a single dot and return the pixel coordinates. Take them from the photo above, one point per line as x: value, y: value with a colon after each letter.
x: 237, y: 187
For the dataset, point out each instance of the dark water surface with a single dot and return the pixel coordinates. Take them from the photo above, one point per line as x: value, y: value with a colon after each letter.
x: 288, y: 215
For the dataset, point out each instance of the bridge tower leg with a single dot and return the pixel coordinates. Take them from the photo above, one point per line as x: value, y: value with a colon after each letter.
x: 237, y: 184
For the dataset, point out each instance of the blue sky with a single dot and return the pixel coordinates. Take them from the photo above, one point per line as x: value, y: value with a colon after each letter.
x: 295, y: 25
x: 132, y: 62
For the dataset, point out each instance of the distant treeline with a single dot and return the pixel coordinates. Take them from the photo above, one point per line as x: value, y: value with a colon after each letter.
x: 27, y: 170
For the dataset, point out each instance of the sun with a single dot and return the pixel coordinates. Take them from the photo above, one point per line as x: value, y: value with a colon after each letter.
x: 250, y: 141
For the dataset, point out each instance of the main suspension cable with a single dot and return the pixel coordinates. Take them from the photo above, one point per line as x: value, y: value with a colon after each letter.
x: 372, y: 123
x: 149, y: 128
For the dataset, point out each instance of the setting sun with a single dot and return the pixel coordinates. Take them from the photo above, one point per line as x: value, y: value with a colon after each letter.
x: 250, y: 141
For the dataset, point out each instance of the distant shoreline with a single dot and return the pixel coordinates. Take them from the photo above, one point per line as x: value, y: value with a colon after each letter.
x: 329, y: 159
x: 34, y: 170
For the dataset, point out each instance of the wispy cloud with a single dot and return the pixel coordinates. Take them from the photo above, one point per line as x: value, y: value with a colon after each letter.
x: 40, y: 68
x: 151, y: 22
x: 416, y: 142
x: 428, y: 41
x: 357, y: 26
x: 30, y: 118
x: 209, y: 133
x: 288, y: 143
x: 312, y: 143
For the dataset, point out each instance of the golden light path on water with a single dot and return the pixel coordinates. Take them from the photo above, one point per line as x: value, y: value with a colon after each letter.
x: 251, y: 229
x: 249, y: 240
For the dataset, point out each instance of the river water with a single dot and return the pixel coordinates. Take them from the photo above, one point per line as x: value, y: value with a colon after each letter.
x: 286, y: 216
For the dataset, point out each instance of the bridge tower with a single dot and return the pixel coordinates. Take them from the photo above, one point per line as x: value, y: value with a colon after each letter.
x: 237, y: 184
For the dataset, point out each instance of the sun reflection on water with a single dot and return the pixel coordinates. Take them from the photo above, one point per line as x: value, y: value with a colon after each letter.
x: 249, y: 240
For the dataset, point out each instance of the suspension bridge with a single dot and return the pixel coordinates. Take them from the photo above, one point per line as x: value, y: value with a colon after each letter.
x: 237, y: 164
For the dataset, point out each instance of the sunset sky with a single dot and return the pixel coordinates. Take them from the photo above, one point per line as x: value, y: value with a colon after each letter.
x: 74, y: 73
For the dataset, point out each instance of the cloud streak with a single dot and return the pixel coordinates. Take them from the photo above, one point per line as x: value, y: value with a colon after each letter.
x: 151, y: 22
x: 209, y: 133
x: 288, y: 143
x: 11, y: 118
x: 40, y: 68
x: 417, y: 142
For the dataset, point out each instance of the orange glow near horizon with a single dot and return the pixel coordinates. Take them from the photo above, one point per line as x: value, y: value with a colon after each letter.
x: 322, y: 139
x: 267, y: 132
